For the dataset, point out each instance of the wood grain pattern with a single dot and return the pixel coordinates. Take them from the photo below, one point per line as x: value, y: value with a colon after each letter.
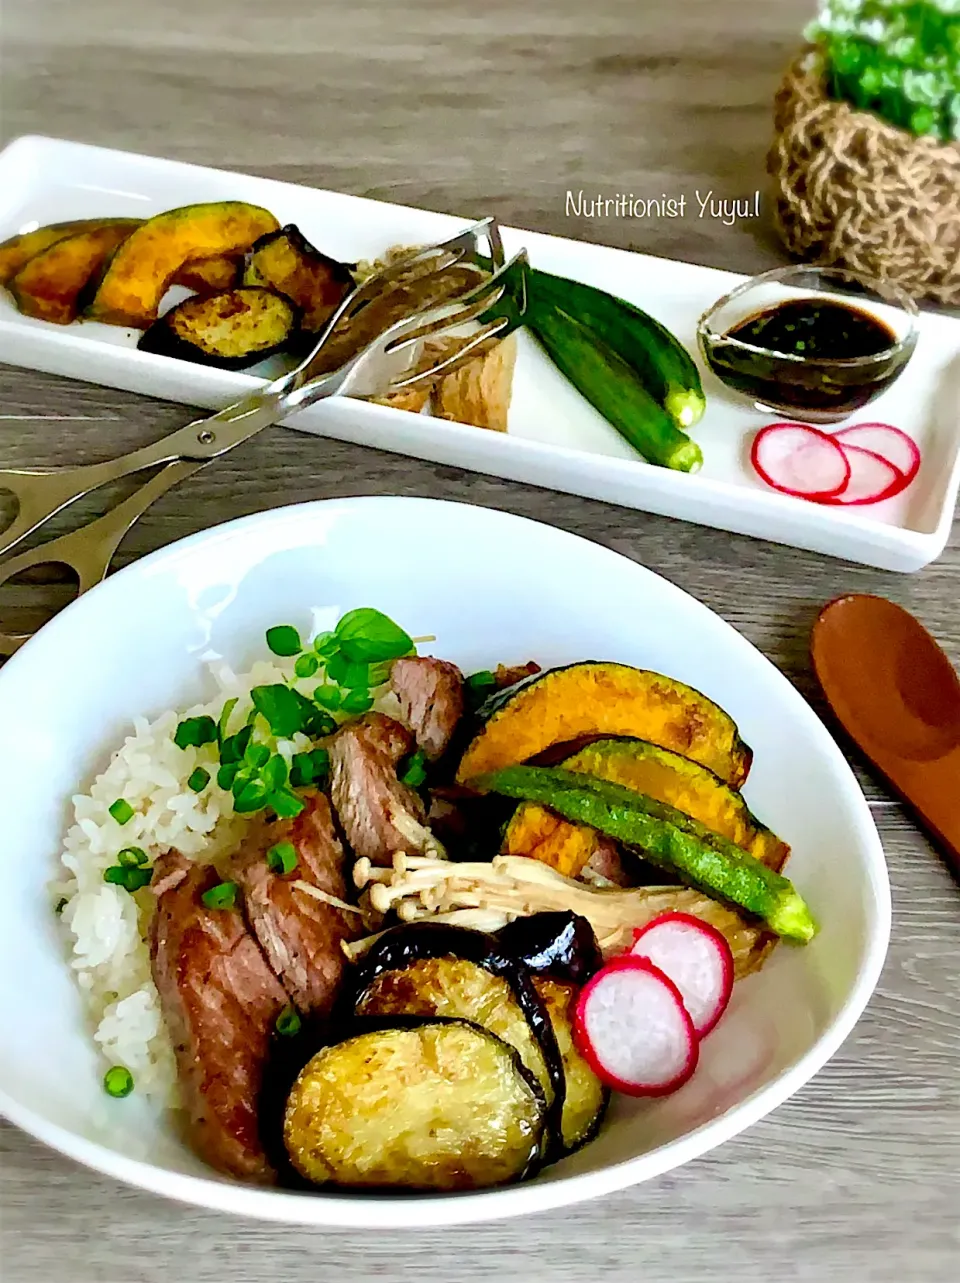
x: 502, y: 108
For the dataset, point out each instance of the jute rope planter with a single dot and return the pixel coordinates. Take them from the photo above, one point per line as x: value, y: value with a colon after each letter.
x: 852, y: 191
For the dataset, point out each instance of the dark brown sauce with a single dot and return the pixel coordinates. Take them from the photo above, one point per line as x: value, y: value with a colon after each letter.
x: 818, y: 331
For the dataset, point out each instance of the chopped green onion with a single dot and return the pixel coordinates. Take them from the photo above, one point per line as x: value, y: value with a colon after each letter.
x: 224, y: 721
x: 288, y: 1023
x: 61, y: 904
x: 306, y: 665
x: 118, y: 1082
x: 414, y: 773
x: 281, y: 707
x: 275, y: 772
x: 327, y: 697
x: 284, y: 640
x: 199, y: 779
x: 282, y: 858
x: 227, y: 774
x: 326, y: 644
x: 252, y: 797
x: 256, y: 755
x: 285, y: 804
x: 367, y: 636
x: 194, y: 732
x: 221, y: 896
x: 132, y: 857
x: 131, y: 879
x: 482, y: 680
x: 121, y: 810
x: 357, y: 701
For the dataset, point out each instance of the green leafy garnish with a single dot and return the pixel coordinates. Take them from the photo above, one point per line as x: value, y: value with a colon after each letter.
x: 221, y: 896
x: 325, y: 644
x: 482, y: 681
x: 282, y: 858
x: 131, y: 879
x: 281, y: 707
x: 234, y: 747
x: 328, y: 697
x: 194, y: 732
x: 199, y: 779
x: 366, y: 636
x: 285, y: 804
x: 121, y: 810
x: 227, y: 774
x: 288, y: 1023
x: 275, y: 772
x: 256, y: 755
x: 251, y: 797
x: 357, y: 701
x: 224, y: 721
x: 118, y: 1082
x: 308, y: 768
x: 284, y: 640
x: 132, y: 857
x: 414, y: 773
x: 306, y: 665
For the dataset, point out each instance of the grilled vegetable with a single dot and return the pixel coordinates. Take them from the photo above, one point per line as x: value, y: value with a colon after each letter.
x: 50, y: 285
x: 138, y: 275
x: 666, y: 837
x: 401, y: 947
x: 418, y: 1105
x: 287, y: 262
x: 230, y: 330
x: 586, y: 1097
x: 597, y: 700
x: 664, y: 365
x: 18, y: 250
x: 615, y: 390
x: 660, y: 774
x: 558, y: 946
x: 210, y: 275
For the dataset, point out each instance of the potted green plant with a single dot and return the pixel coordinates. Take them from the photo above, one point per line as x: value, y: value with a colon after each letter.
x: 866, y: 159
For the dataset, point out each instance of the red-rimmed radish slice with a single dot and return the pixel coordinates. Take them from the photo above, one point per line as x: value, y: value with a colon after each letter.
x: 887, y: 441
x: 799, y: 460
x: 696, y: 957
x: 633, y: 1030
x: 872, y: 478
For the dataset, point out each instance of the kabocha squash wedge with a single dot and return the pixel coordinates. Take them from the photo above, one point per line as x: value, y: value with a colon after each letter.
x: 287, y: 262
x: 18, y: 250
x: 210, y: 275
x: 230, y: 330
x: 50, y: 285
x: 665, y: 776
x: 597, y: 700
x: 141, y: 270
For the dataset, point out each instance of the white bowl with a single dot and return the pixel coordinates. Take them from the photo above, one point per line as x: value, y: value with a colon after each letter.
x: 492, y: 587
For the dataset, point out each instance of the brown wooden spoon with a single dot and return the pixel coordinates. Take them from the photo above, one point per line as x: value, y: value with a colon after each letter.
x: 897, y: 695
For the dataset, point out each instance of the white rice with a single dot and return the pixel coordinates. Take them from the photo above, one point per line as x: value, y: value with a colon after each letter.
x: 106, y: 925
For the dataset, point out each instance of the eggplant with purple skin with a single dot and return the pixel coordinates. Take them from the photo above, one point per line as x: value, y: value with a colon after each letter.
x: 230, y: 330
x: 285, y: 261
x: 560, y: 945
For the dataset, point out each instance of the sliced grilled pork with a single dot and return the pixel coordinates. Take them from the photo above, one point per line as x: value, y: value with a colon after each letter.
x: 430, y: 692
x: 220, y: 1002
x: 378, y: 814
x: 300, y: 934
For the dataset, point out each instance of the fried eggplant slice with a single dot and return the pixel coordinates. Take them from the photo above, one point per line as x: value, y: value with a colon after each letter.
x: 285, y: 261
x: 423, y: 1105
x: 230, y: 330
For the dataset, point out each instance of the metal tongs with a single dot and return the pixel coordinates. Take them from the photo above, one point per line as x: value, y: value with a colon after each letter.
x: 389, y: 362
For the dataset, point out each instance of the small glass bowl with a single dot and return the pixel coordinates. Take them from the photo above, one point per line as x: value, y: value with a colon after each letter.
x: 808, y: 389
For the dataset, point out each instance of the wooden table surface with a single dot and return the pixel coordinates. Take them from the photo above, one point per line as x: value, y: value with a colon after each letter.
x: 501, y: 107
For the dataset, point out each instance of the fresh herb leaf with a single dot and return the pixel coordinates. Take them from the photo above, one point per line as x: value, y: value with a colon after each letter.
x: 414, y: 772
x: 132, y: 857
x: 118, y: 1082
x: 227, y: 774
x: 194, y: 732
x: 221, y: 896
x: 316, y: 722
x: 307, y: 768
x: 477, y: 687
x: 306, y: 665
x: 224, y: 721
x: 235, y: 746
x: 285, y: 804
x: 367, y: 636
x: 326, y: 644
x: 284, y: 640
x: 282, y: 858
x: 251, y: 797
x: 121, y: 810
x: 199, y: 779
x: 281, y: 707
x: 328, y: 697
x: 288, y: 1023
x: 357, y: 701
x: 256, y: 755
x: 347, y: 673
x: 274, y: 773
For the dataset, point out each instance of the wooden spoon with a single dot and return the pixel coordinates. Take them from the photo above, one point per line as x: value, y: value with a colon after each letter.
x: 897, y: 695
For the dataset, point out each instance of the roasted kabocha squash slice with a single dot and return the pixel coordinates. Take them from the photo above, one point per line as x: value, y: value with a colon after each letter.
x: 50, y: 286
x: 287, y: 262
x: 230, y: 330
x: 147, y: 263
x: 18, y: 250
x: 658, y: 773
x: 595, y: 701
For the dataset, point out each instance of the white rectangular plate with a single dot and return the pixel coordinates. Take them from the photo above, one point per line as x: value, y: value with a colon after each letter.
x: 555, y: 439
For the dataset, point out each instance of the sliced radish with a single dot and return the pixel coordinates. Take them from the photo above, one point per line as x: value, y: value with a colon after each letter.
x: 872, y: 478
x: 633, y: 1030
x: 887, y: 441
x: 799, y: 460
x: 696, y: 957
